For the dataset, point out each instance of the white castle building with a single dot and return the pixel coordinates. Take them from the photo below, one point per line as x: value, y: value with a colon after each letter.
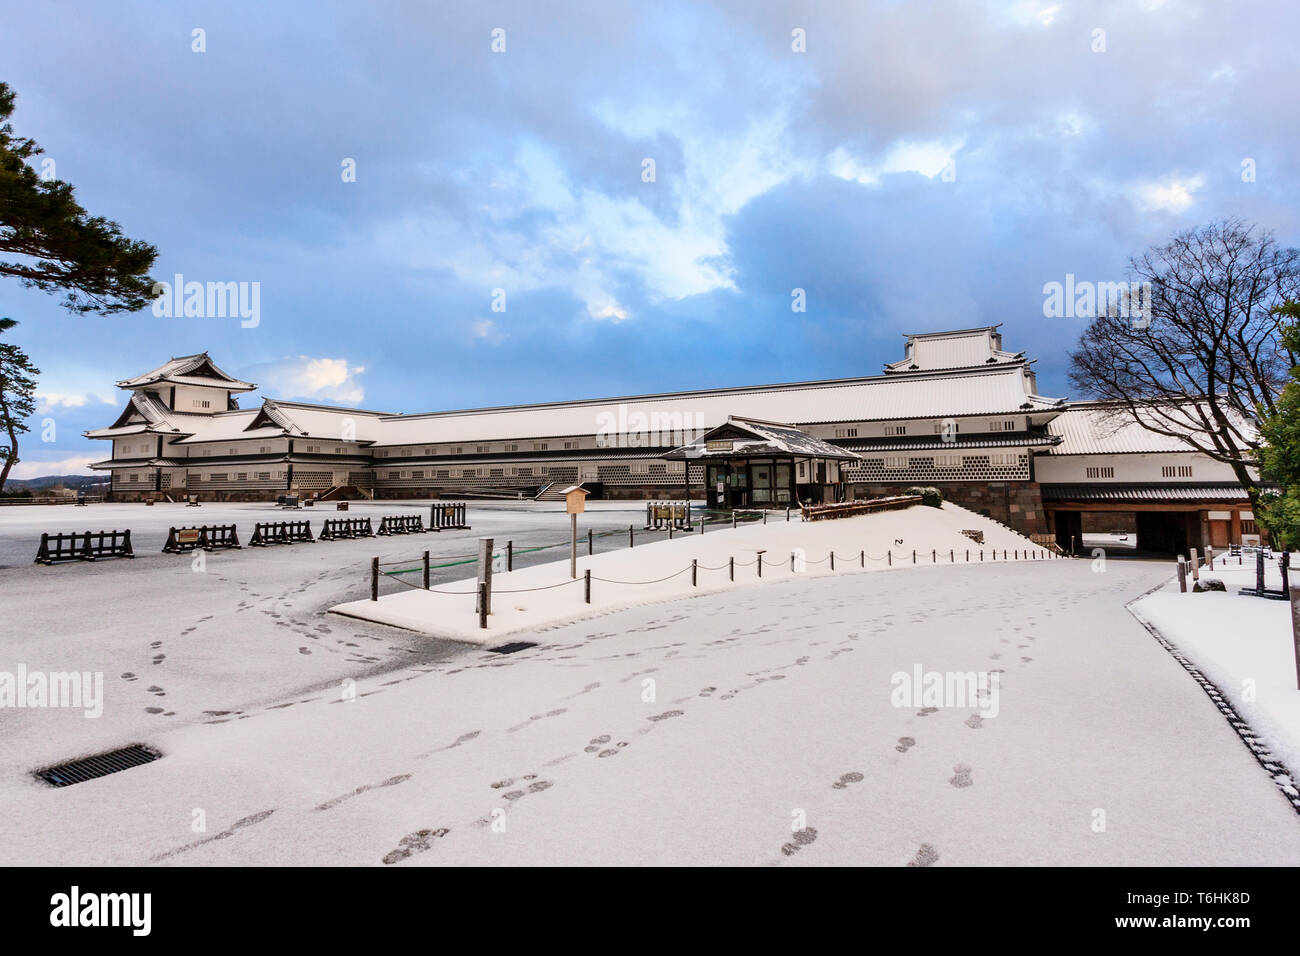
x: 958, y: 412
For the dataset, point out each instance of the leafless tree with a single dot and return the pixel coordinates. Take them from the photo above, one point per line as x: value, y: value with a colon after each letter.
x: 1207, y: 358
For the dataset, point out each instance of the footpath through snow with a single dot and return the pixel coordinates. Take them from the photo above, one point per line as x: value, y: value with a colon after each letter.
x: 662, y: 570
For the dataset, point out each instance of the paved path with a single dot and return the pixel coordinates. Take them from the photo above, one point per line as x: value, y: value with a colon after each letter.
x: 771, y: 711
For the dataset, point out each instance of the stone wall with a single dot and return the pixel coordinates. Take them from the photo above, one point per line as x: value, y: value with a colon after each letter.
x: 1017, y: 504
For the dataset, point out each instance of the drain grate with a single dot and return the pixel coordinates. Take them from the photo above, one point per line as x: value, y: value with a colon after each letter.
x: 514, y: 648
x: 100, y: 765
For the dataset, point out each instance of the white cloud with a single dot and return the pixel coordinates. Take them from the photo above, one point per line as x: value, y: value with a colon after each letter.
x: 76, y: 465
x: 1170, y: 194
x: 486, y: 330
x: 51, y: 401
x: 927, y: 157
x: 316, y: 378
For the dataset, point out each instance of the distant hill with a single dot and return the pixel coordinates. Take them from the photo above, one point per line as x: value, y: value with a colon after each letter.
x: 49, y: 481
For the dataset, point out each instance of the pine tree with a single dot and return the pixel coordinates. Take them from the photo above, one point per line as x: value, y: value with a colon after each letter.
x: 17, y: 399
x: 58, y: 245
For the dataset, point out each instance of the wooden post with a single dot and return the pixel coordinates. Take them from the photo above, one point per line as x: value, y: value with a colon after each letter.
x: 589, y: 540
x: 670, y: 529
x: 914, y: 555
x: 765, y: 516
x: 731, y: 569
x: 573, y: 546
x: 1182, y: 575
x: 733, y: 521
x: 890, y: 556
x: 934, y: 555
x: 862, y: 558
x: 374, y: 579
x: 586, y: 586
x: 832, y: 560
x: 482, y: 604
x: 1259, y: 571
x: 1196, y: 565
x: 760, y: 564
x: 787, y: 513
x: 694, y: 568
x: 1295, y: 629
x: 426, y: 570
x: 1209, y: 557
x: 630, y: 540
x: 485, y: 573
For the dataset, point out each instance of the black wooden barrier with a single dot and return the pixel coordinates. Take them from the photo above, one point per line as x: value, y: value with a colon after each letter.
x: 448, y: 516
x: 402, y: 524
x: 209, y: 537
x: 346, y: 528
x: 280, y: 532
x: 84, y: 546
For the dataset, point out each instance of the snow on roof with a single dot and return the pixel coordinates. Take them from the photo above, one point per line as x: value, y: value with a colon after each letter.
x: 964, y: 348
x: 994, y: 390
x: 765, y: 438
x: 188, y: 370
x: 1104, y: 428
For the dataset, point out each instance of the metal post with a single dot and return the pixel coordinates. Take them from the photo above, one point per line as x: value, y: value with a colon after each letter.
x: 426, y: 570
x: 733, y: 521
x: 630, y: 539
x: 589, y: 548
x: 914, y: 555
x: 731, y: 569
x: 862, y: 558
x: 587, y: 584
x: 670, y: 529
x: 890, y: 555
x: 832, y: 560
x: 952, y: 556
x: 482, y: 605
x: 573, y: 546
x: 787, y: 513
x: 760, y: 564
x: 374, y: 579
x: 510, y: 555
x: 934, y: 555
x: 1182, y: 575
x: 764, y: 516
x: 792, y: 562
x: 694, y: 568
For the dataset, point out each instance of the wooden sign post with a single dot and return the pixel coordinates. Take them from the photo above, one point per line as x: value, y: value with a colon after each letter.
x: 575, y: 502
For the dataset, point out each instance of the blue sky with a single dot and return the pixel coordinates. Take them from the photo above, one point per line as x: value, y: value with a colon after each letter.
x: 920, y: 166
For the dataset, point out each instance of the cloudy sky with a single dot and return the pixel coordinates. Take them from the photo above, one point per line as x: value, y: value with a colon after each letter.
x: 916, y: 166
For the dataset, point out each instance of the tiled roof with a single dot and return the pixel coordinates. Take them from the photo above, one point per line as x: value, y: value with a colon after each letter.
x: 1147, y: 492
x: 759, y: 438
x: 1099, y: 428
x: 179, y: 371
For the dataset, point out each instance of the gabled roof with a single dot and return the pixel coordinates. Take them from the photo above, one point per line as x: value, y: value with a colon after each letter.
x: 188, y: 370
x: 753, y: 438
x: 962, y: 348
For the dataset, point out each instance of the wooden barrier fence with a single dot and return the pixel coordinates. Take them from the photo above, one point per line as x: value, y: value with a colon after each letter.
x: 209, y: 537
x: 84, y: 546
x: 280, y: 532
x: 346, y: 528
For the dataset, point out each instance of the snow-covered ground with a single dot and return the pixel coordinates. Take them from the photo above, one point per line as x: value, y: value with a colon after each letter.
x: 700, y: 729
x: 545, y: 593
x: 1244, y: 644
